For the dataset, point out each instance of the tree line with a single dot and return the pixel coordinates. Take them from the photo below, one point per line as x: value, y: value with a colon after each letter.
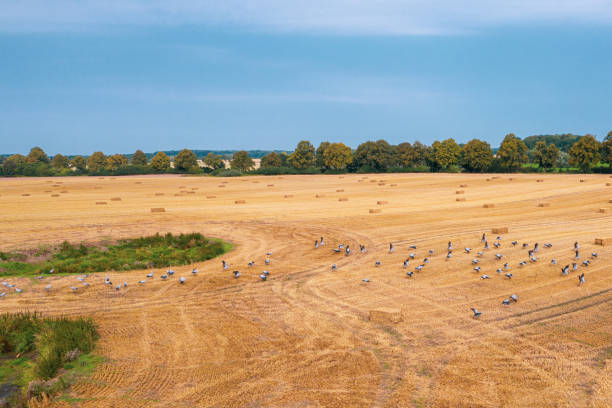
x: 535, y: 153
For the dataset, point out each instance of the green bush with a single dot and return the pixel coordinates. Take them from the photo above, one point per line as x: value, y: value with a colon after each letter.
x: 226, y: 173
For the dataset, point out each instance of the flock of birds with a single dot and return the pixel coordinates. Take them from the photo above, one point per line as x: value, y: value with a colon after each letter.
x: 505, y: 269
x: 346, y: 250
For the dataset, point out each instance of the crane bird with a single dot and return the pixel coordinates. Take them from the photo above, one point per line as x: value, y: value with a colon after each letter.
x: 74, y: 289
x: 450, y: 247
x: 322, y: 243
x: 508, y: 275
x: 553, y: 261
x: 406, y: 262
x: 565, y: 270
x: 316, y: 244
x: 594, y: 254
x: 252, y: 263
x: 506, y: 302
x: 391, y: 249
x: 41, y: 277
x: 581, y: 279
x: 377, y: 263
x: 86, y: 284
x: 477, y: 269
x: 409, y: 273
x: 150, y: 275
x: 499, y: 270
x: 514, y: 298
x: 498, y: 256
x: 366, y: 280
x: 548, y: 245
x: 412, y: 246
x: 431, y: 252
x: 164, y: 277
x: 118, y: 287
x: 525, y: 245
x: 125, y: 284
x: 48, y: 287
x: 426, y: 260
x: 514, y: 243
x: 480, y: 253
x: 496, y: 244
x: 506, y: 267
x: 362, y: 248
x: 170, y: 272
x: 181, y: 280
x: 267, y: 261
x: 474, y: 261
x: 142, y: 281
x: 574, y: 266
x: 3, y: 294
x: 419, y: 268
x: 347, y: 252
x: 576, y: 246
x: 236, y: 274
x: 484, y: 277
x: 476, y: 312
x: 194, y: 271
x: 263, y: 277
x: 484, y: 237
x: 52, y: 270
x: 333, y: 267
x: 412, y: 255
x: 449, y: 255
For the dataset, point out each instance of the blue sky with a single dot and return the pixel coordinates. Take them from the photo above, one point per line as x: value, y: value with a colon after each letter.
x: 120, y: 75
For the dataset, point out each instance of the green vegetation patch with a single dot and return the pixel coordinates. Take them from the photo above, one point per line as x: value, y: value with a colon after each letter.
x: 44, y: 355
x: 156, y: 251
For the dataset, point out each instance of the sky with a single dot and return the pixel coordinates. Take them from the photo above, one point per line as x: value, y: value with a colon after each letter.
x: 78, y: 76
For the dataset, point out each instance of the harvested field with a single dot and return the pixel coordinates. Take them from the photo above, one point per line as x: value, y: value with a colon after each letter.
x: 309, y: 337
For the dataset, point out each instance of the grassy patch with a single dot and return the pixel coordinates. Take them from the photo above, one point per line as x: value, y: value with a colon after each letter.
x: 37, y: 348
x: 156, y: 251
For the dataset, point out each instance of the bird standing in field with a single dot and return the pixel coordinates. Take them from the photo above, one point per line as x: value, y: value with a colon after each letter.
x: 391, y: 249
x: 581, y: 279
x: 476, y: 312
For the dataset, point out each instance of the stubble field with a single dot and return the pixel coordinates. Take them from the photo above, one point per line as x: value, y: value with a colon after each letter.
x: 304, y: 338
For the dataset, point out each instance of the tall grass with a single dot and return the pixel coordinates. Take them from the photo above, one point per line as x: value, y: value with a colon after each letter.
x: 157, y: 251
x: 49, y: 338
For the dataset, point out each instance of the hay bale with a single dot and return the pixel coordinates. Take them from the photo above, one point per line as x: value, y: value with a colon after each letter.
x: 499, y: 230
x: 544, y: 205
x: 510, y: 179
x: 375, y: 210
x: 603, y: 210
x: 373, y: 181
x: 270, y: 185
x: 56, y: 185
x: 25, y: 195
x: 460, y: 199
x: 539, y: 181
x: 319, y: 196
x: 382, y: 202
x: 386, y: 315
x: 488, y: 205
x: 463, y: 185
x: 459, y: 192
x: 55, y: 195
x: 393, y: 185
x: 211, y: 196
x: 159, y: 194
x: 340, y: 190
x: 381, y: 184
x: 603, y: 241
x: 182, y: 187
x: 197, y: 188
x: 116, y: 199
x: 221, y: 185
x: 177, y: 194
x: 48, y: 191
x: 64, y: 191
x: 101, y: 203
x: 582, y: 180
x: 608, y: 184
x: 610, y: 201
x: 138, y: 182
x: 240, y: 202
x: 158, y: 210
x: 343, y: 199
x: 488, y: 179
x: 288, y: 195
x: 494, y: 177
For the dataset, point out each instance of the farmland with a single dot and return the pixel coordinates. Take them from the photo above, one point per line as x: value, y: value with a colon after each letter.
x: 304, y: 337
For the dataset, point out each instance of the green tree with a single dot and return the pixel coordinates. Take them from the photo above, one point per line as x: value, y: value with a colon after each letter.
x: 214, y: 161
x: 185, y: 160
x: 585, y: 153
x: 512, y: 153
x: 160, y: 162
x: 319, y: 161
x: 373, y: 156
x: 303, y: 155
x: 271, y: 160
x: 444, y: 154
x: 79, y: 163
x: 60, y: 161
x: 37, y: 155
x: 241, y: 161
x: 606, y: 149
x: 337, y: 156
x: 139, y: 158
x: 550, y: 156
x: 96, y: 162
x: 115, y: 161
x: 13, y: 164
x: 476, y: 156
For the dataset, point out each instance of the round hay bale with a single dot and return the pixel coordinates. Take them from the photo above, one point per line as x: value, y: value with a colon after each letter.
x: 499, y: 230
x: 382, y: 202
x: 197, y: 188
x: 48, y: 191
x: 603, y: 210
x: 603, y: 241
x: 488, y: 179
x: 25, y: 195
x: 64, y: 191
x: 582, y: 180
x: 340, y: 190
x: 459, y: 192
x: 488, y: 205
x: 393, y: 185
x: 343, y: 199
x: 116, y: 199
x: 270, y: 185
x: 511, y: 178
x: 138, y: 182
x: 182, y: 187
x: 100, y: 178
x: 288, y: 195
x: 460, y: 199
x: 158, y: 210
x: 386, y: 315
x: 463, y: 185
x: 544, y: 205
x: 221, y: 185
x: 609, y: 201
x: 101, y: 203
x: 319, y: 196
x: 608, y: 184
x: 373, y: 181
x: 55, y: 195
x: 375, y: 210
x: 159, y: 194
x: 56, y: 185
x: 539, y: 181
x: 211, y: 196
x: 240, y: 202
x: 177, y: 194
x: 381, y: 184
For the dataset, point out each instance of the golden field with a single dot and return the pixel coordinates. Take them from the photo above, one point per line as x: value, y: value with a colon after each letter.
x: 304, y: 338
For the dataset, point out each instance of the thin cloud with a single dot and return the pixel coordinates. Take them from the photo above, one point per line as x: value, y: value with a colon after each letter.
x: 347, y: 17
